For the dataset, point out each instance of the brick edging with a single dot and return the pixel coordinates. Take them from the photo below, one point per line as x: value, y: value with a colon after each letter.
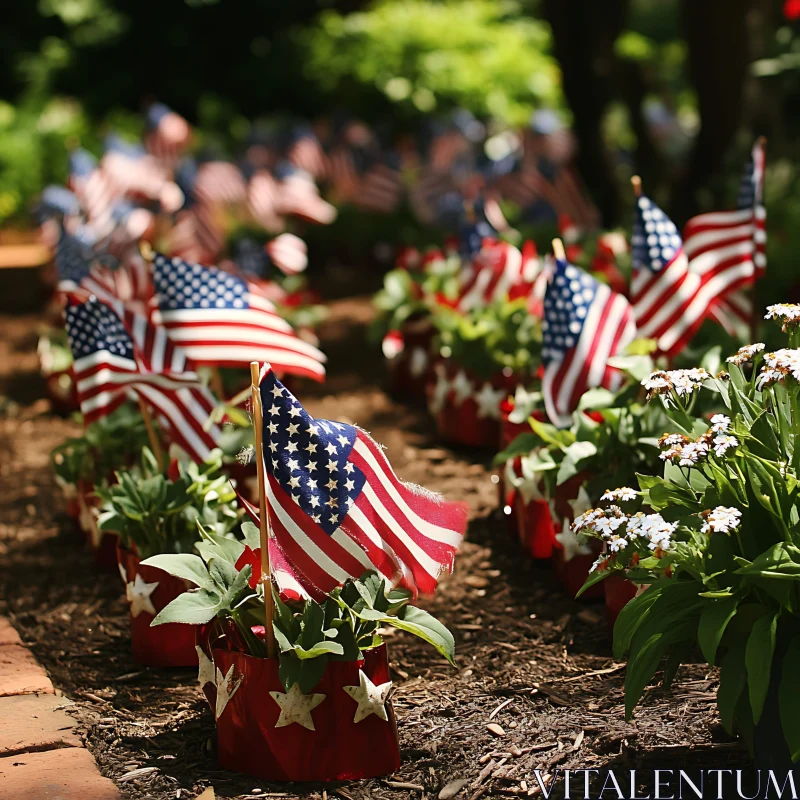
x: 41, y: 756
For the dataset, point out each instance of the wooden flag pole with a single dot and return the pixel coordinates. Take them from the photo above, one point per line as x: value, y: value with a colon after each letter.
x: 266, y: 575
x: 152, y: 434
x: 558, y: 250
x: 636, y: 182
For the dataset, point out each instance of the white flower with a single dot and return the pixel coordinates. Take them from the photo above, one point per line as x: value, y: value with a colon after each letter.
x: 673, y: 440
x: 653, y: 528
x: 723, y: 443
x: 721, y: 520
x: 767, y: 377
x: 671, y: 454
x: 720, y: 423
x: 690, y: 454
x: 778, y: 365
x: 657, y: 381
x: 680, y: 381
x: 602, y: 522
x: 786, y: 313
x: 616, y: 543
x: 624, y: 493
x: 745, y: 354
x: 586, y: 519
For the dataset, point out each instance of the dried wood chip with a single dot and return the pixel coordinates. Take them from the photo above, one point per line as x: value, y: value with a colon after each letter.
x: 452, y: 789
x: 476, y: 581
x: 578, y: 741
x: 412, y: 787
x: 138, y: 773
x: 208, y: 794
x: 501, y: 707
x: 495, y: 729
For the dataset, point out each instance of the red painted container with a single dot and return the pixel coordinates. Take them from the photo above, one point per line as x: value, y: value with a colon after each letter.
x: 102, y: 543
x: 619, y: 592
x: 536, y: 528
x: 409, y: 360
x: 253, y: 736
x: 149, y: 590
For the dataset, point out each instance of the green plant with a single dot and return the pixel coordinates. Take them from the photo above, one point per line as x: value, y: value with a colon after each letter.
x: 309, y: 634
x: 103, y: 447
x: 717, y: 541
x: 159, y: 514
x: 501, y: 337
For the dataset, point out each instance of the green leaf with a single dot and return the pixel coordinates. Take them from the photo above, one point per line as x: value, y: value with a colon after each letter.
x: 713, y: 621
x: 733, y: 677
x: 223, y: 572
x: 641, y: 669
x: 758, y: 659
x: 789, y: 698
x: 186, y: 566
x: 422, y: 624
x: 321, y: 648
x: 193, y: 608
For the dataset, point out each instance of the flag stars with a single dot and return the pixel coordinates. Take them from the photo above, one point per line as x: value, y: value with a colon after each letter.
x: 274, y: 410
x: 293, y: 464
x: 316, y: 518
x: 331, y: 484
x: 349, y: 485
x: 331, y: 448
x: 292, y: 428
x: 311, y: 466
x: 310, y: 448
x: 291, y: 447
x: 273, y: 428
x: 343, y: 440
x: 311, y: 483
x: 277, y: 391
x: 332, y: 466
x: 273, y: 446
x: 348, y: 467
x: 294, y: 411
x: 314, y: 500
x: 294, y: 482
x: 332, y: 502
x: 313, y: 430
x: 334, y: 519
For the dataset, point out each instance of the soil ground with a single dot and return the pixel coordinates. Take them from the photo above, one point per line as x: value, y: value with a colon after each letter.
x: 530, y: 658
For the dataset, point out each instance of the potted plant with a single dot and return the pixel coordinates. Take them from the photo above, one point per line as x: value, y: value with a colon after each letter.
x: 83, y: 461
x: 55, y: 367
x: 321, y: 710
x: 717, y: 544
x: 485, y: 354
x: 155, y: 512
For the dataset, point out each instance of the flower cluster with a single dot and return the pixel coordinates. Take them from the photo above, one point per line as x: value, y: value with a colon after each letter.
x: 624, y: 493
x: 786, y: 313
x: 745, y: 354
x: 685, y: 452
x: 650, y: 530
x: 722, y: 519
x: 680, y: 381
x: 778, y: 365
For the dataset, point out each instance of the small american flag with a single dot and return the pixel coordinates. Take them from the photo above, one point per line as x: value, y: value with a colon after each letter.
x: 585, y: 324
x: 168, y: 134
x: 305, y: 152
x: 95, y: 190
x: 337, y: 509
x: 669, y: 300
x: 380, y: 189
x: 262, y: 200
x: 80, y: 268
x: 219, y: 319
x: 298, y: 196
x: 289, y: 253
x: 729, y: 246
x: 117, y: 351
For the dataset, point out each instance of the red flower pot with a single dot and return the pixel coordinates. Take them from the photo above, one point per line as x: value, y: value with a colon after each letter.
x: 257, y: 737
x: 60, y: 387
x: 102, y: 543
x: 408, y: 359
x: 149, y: 590
x: 536, y: 529
x: 619, y: 592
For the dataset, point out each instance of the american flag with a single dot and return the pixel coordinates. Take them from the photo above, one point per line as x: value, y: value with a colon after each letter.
x: 380, y: 190
x: 220, y: 319
x: 585, y: 324
x: 298, y: 195
x: 669, y: 300
x: 306, y: 153
x: 262, y: 200
x: 168, y: 134
x: 117, y: 351
x: 495, y: 273
x: 289, y: 253
x: 95, y: 190
x: 337, y: 509
x: 219, y: 185
x: 78, y: 269
x: 343, y: 175
x: 730, y: 246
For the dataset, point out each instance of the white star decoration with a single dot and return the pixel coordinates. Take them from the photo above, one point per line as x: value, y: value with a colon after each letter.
x: 418, y: 362
x: 296, y: 707
x: 462, y: 387
x: 440, y: 391
x: 569, y: 541
x: 371, y: 699
x: 488, y: 400
x: 226, y: 688
x: 205, y: 673
x: 138, y: 593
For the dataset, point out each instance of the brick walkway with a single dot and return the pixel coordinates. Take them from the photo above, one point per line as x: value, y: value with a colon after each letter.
x: 41, y: 757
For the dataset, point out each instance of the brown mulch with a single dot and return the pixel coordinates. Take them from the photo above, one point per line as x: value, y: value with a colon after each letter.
x: 530, y: 659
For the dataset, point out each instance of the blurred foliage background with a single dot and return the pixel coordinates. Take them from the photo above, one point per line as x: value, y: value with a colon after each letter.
x: 675, y: 89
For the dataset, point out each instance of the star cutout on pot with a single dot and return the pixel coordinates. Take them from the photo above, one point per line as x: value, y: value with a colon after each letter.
x: 296, y: 707
x: 488, y: 400
x: 138, y: 592
x: 462, y: 387
x: 371, y: 699
x: 418, y: 362
x: 226, y: 689
x: 205, y: 673
x: 570, y: 542
x: 440, y: 391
